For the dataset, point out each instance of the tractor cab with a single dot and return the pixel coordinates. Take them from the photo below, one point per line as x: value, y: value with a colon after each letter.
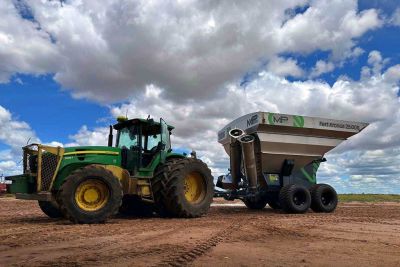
x: 143, y: 143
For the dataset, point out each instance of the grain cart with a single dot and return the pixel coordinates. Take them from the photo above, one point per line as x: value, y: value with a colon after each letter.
x: 138, y: 175
x: 274, y: 159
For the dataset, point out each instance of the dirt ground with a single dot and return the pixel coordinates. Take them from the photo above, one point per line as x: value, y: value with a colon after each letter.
x: 356, y: 234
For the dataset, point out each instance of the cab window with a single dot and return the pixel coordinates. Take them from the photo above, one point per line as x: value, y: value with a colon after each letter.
x: 127, y: 137
x: 152, y: 141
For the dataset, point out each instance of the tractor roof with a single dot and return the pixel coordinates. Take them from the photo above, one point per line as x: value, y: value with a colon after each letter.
x: 137, y: 121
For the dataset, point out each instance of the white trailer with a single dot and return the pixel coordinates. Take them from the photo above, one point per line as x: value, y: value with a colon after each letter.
x: 274, y: 159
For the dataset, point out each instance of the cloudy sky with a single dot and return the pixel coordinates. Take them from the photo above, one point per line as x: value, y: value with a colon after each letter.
x: 67, y: 69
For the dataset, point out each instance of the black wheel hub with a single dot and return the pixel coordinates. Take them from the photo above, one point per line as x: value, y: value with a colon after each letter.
x: 299, y: 198
x: 326, y: 198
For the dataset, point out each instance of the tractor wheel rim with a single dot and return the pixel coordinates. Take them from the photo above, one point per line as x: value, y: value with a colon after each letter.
x: 194, y: 187
x: 92, y: 195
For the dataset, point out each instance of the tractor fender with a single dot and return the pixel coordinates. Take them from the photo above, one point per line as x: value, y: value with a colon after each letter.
x: 129, y: 185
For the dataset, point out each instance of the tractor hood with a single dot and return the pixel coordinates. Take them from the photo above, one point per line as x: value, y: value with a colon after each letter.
x: 91, y: 155
x: 86, y: 150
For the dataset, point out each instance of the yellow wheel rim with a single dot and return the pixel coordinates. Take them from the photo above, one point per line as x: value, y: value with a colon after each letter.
x: 195, y: 187
x: 92, y: 195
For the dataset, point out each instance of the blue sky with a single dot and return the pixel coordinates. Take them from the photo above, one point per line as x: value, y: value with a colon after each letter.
x: 50, y: 110
x: 69, y: 74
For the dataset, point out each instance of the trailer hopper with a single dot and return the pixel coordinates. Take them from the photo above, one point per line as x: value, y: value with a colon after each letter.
x: 278, y: 149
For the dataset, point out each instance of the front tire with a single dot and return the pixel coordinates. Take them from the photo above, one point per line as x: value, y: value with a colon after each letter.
x: 295, y: 198
x: 89, y: 195
x: 51, y: 209
x: 183, y: 188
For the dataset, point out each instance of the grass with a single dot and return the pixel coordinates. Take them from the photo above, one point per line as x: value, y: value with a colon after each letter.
x: 369, y: 198
x: 6, y: 195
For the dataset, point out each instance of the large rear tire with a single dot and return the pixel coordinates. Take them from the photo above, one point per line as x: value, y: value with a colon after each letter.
x: 295, y: 198
x: 133, y: 206
x: 183, y: 188
x: 255, y: 204
x: 89, y: 195
x: 323, y: 198
x: 51, y: 209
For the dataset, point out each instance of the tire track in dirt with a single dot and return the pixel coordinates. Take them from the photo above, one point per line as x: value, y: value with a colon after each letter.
x: 185, y: 257
x: 301, y: 230
x: 61, y: 231
x: 362, y: 234
x: 106, y: 249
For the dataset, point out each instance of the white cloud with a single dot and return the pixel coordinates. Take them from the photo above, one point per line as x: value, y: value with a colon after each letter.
x: 356, y: 52
x: 5, y: 166
x: 285, y: 67
x: 374, y: 57
x: 23, y: 47
x: 367, y: 171
x: 395, y: 18
x: 392, y: 74
x: 371, y: 154
x: 328, y: 26
x: 86, y: 137
x: 112, y: 50
x: 15, y: 134
x: 321, y: 67
x: 375, y: 60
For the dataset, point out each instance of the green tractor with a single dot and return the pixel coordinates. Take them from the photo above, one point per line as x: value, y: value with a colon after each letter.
x: 140, y: 175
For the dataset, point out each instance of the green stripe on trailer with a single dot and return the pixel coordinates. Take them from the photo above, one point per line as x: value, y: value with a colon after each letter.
x: 311, y: 178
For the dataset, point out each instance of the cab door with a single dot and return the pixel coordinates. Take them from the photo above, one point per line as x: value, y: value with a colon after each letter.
x: 164, y: 140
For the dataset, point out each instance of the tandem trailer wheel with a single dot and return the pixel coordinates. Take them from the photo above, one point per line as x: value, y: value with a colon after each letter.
x: 323, y: 198
x: 294, y: 198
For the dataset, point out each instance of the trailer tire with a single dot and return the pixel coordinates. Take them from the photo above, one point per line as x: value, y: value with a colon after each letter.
x: 294, y: 198
x: 323, y: 198
x: 51, y: 209
x: 103, y: 199
x: 255, y: 204
x: 183, y: 188
x: 133, y: 206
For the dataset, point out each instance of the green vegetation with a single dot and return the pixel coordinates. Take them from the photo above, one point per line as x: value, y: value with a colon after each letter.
x: 6, y: 195
x: 369, y: 198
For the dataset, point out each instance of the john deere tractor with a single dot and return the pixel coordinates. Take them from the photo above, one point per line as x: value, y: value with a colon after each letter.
x: 138, y: 175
